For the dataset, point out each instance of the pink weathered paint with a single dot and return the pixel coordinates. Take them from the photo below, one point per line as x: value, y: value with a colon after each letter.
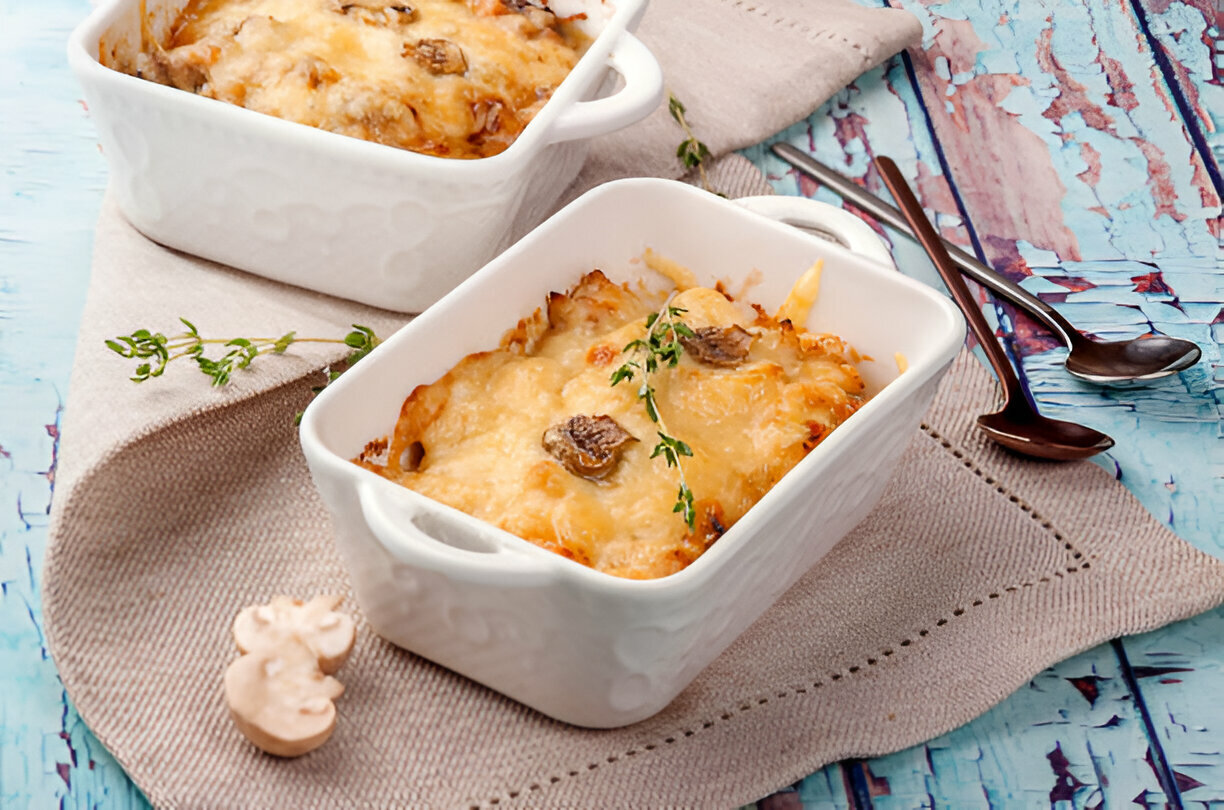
x: 1092, y: 175
x: 1005, y: 177
x: 935, y: 191
x: 936, y: 195
x: 1210, y: 8
x: 1072, y: 96
x: 1210, y: 199
x: 1123, y: 90
x: 807, y: 186
x: 1152, y: 282
x: 1160, y: 180
x: 53, y: 432
x: 849, y: 128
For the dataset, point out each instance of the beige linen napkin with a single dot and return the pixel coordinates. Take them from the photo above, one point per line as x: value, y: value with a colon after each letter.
x: 976, y: 571
x: 177, y: 504
x: 746, y: 69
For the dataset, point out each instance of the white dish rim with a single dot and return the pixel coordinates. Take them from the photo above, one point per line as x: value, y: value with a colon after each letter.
x: 693, y: 576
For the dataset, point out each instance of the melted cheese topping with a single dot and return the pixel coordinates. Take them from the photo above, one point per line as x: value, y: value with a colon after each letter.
x: 801, y: 297
x: 480, y: 427
x: 453, y: 78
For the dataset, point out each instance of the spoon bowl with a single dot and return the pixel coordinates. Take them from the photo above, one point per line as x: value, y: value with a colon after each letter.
x: 1029, y: 433
x: 1017, y: 425
x: 1135, y: 360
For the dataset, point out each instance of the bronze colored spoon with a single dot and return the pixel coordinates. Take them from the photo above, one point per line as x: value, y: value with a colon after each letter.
x: 1017, y: 425
x: 1105, y: 362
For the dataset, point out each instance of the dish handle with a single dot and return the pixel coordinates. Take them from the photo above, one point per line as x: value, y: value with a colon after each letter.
x: 428, y: 537
x: 827, y: 221
x: 641, y: 93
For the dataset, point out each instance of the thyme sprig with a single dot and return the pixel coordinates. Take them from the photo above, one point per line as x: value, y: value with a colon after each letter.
x: 661, y: 346
x: 692, y: 152
x: 158, y: 351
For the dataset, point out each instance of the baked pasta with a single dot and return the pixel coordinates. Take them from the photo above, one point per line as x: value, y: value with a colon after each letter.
x: 533, y: 437
x: 452, y: 78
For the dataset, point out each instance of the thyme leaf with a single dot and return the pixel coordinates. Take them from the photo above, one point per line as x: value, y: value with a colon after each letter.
x: 692, y: 152
x: 661, y: 346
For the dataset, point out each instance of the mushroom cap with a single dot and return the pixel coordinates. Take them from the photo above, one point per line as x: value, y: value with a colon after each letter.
x: 722, y: 346
x: 280, y: 700
x: 316, y: 624
x: 587, y: 446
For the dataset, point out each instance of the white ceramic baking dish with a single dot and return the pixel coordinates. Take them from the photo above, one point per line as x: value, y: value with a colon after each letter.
x: 340, y: 215
x: 581, y: 646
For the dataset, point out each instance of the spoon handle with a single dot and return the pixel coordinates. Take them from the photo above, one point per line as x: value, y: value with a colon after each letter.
x: 925, y: 233
x: 976, y: 270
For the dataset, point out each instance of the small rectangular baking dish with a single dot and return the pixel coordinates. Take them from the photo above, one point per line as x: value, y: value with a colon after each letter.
x: 343, y: 216
x: 579, y: 645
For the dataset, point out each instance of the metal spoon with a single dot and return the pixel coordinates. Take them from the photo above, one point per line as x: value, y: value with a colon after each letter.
x: 1017, y: 425
x: 1097, y: 361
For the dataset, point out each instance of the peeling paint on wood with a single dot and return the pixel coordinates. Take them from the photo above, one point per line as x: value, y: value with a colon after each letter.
x: 1126, y: 242
x: 1186, y: 706
x: 1046, y: 743
x: 52, y: 184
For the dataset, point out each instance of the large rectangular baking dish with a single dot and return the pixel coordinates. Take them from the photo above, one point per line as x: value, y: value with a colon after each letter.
x: 343, y: 216
x: 579, y: 645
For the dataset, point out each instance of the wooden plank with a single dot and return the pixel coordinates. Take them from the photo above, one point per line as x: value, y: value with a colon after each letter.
x: 1181, y: 674
x: 1069, y: 181
x: 1068, y: 740
x: 1179, y: 477
x: 1122, y: 131
x: 1183, y: 36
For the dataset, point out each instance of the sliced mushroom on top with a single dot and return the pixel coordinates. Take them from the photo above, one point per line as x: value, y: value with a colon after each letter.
x: 487, y: 117
x: 438, y: 56
x: 537, y: 13
x: 379, y: 12
x: 722, y: 346
x: 587, y: 446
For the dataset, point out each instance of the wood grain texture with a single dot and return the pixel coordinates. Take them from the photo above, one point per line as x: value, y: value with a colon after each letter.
x: 1183, y: 37
x: 1043, y: 133
x: 1062, y: 740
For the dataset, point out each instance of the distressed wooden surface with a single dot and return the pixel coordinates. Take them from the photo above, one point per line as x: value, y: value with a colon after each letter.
x: 51, y: 181
x: 1057, y: 144
x: 1070, y: 141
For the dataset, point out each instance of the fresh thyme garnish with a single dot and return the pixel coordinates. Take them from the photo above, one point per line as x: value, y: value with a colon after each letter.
x: 159, y: 350
x: 691, y: 151
x: 661, y: 345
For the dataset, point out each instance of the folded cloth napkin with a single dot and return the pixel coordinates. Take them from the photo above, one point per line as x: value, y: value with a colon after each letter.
x: 745, y: 69
x: 177, y: 504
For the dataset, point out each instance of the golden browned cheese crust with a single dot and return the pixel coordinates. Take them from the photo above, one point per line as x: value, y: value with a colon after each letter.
x: 453, y: 78
x: 472, y: 439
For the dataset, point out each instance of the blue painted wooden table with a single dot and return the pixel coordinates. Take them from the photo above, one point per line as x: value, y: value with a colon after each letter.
x: 1074, y: 144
